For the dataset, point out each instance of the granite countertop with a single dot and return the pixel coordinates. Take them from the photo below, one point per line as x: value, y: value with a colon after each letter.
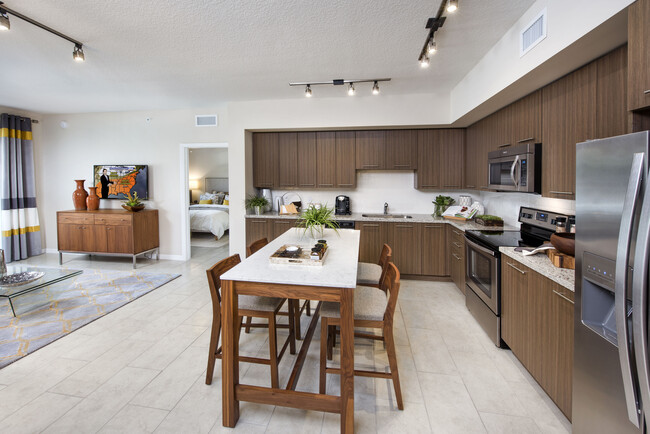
x: 541, y: 264
x: 417, y: 218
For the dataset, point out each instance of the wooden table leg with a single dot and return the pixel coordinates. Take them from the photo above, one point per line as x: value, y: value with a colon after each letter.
x: 347, y: 360
x: 230, y: 351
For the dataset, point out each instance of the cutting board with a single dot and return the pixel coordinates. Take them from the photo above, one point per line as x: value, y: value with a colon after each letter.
x: 561, y: 260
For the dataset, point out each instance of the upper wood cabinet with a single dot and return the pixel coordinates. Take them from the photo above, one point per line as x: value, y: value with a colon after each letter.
x: 440, y: 155
x: 401, y: 149
x: 307, y: 171
x: 287, y: 160
x: 346, y: 175
x: 371, y: 150
x: 476, y: 151
x: 428, y: 173
x: 611, y: 94
x: 638, y: 39
x: 265, y: 159
x: 335, y: 159
x: 526, y: 119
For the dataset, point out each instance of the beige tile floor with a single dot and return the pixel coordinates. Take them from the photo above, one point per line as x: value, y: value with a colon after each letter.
x: 141, y: 369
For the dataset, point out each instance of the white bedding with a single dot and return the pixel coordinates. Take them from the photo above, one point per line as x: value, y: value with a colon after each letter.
x: 210, y: 220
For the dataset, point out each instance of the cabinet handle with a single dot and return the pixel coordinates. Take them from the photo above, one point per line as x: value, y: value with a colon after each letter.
x: 429, y: 186
x: 451, y: 186
x: 646, y: 92
x: 563, y: 296
x: 566, y: 193
x: 470, y: 186
x: 370, y: 226
x: 326, y: 185
x: 485, y: 186
x: 404, y: 226
x: 455, y: 256
x: 371, y: 165
x: 346, y: 185
x: 521, y: 271
x: 401, y: 165
x: 457, y: 245
x: 433, y: 226
x: 307, y: 185
x: 505, y: 145
x: 526, y: 140
x: 460, y: 234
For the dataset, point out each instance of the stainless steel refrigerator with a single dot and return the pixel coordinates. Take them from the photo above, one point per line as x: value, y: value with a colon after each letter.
x: 611, y: 386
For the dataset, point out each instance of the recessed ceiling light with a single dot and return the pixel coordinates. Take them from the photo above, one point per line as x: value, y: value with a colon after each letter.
x: 351, y: 89
x: 375, y: 88
x: 308, y: 91
x: 452, y: 6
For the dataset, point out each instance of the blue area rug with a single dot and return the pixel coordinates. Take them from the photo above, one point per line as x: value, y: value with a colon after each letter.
x: 50, y: 313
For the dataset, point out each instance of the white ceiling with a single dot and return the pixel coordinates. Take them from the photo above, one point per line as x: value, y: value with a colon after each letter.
x: 173, y: 54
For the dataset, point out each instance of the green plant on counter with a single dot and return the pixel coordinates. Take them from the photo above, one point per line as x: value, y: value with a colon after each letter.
x: 133, y: 200
x: 315, y: 220
x: 253, y: 201
x: 488, y: 217
x: 441, y: 204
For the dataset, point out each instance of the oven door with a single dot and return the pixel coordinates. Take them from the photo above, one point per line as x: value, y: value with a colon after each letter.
x: 482, y: 274
x: 504, y: 173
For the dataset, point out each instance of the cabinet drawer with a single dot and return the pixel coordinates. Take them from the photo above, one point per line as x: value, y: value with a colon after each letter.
x: 113, y: 220
x: 75, y: 218
x: 457, y: 236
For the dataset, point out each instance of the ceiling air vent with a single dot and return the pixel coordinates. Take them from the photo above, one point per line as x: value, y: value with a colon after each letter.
x: 533, y: 34
x: 206, y: 121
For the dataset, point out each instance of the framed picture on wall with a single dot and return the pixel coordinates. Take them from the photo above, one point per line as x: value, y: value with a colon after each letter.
x: 114, y: 181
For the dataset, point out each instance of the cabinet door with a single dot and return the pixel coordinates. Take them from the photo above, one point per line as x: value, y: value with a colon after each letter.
x: 76, y: 237
x: 307, y: 172
x: 346, y: 174
x: 434, y: 246
x: 371, y: 150
x: 561, y: 337
x: 638, y: 46
x: 471, y: 157
x: 326, y: 159
x: 65, y: 236
x: 265, y: 159
x: 514, y: 308
x: 526, y: 115
x: 257, y: 229
x: 100, y: 237
x: 568, y: 117
x: 428, y: 174
x: 406, y: 242
x: 280, y: 226
x: 287, y: 160
x: 451, y: 158
x: 119, y: 239
x: 611, y: 94
x: 401, y: 149
x: 373, y: 237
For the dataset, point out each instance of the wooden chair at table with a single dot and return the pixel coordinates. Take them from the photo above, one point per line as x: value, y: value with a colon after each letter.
x: 369, y: 274
x: 251, y: 306
x: 252, y: 248
x: 373, y: 308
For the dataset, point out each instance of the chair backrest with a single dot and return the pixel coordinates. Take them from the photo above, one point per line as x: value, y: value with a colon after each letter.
x: 384, y: 260
x: 214, y: 280
x: 391, y: 286
x: 255, y: 246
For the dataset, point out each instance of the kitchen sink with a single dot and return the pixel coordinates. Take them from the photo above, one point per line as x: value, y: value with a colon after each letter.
x: 387, y: 216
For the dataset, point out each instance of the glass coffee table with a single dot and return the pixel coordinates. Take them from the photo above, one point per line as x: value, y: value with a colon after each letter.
x: 49, y: 277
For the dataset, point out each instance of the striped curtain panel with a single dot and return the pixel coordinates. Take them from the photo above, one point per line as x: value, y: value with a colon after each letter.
x: 21, y: 232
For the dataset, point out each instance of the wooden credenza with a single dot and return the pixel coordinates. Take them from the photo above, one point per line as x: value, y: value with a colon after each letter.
x: 108, y: 232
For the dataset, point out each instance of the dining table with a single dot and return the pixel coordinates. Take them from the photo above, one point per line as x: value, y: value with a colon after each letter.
x: 334, y: 280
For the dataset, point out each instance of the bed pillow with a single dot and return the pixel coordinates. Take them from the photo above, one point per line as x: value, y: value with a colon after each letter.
x: 226, y: 200
x: 209, y: 196
x: 219, y: 199
x: 205, y: 202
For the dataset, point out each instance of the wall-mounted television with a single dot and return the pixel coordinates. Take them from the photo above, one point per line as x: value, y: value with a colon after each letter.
x: 114, y: 181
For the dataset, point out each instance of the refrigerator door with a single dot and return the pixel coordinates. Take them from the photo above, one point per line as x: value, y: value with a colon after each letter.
x: 602, y: 402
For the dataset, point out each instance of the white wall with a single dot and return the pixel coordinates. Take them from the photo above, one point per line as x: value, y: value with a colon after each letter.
x: 66, y: 154
x: 207, y: 162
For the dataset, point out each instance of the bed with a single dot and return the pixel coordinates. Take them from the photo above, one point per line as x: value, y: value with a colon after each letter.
x: 211, y: 218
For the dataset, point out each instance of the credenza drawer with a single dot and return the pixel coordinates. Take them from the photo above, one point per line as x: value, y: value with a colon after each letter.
x: 113, y: 220
x: 76, y: 218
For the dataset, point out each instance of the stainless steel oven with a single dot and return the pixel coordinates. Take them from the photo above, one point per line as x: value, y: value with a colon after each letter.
x: 483, y: 274
x: 516, y: 168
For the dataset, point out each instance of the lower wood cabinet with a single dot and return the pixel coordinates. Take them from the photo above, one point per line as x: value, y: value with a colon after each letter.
x: 257, y: 229
x: 434, y: 246
x: 537, y: 325
x: 456, y: 256
x: 406, y: 242
x: 280, y: 226
x: 373, y: 236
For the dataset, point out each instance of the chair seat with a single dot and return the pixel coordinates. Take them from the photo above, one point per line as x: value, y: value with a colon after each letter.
x: 369, y: 304
x: 264, y: 304
x: 368, y: 274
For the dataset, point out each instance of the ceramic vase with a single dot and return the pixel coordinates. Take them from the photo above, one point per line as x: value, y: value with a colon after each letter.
x: 92, y: 201
x: 79, y: 195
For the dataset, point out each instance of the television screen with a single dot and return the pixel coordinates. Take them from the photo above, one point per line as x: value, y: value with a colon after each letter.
x: 114, y: 181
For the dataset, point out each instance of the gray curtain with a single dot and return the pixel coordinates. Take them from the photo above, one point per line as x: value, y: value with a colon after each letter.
x: 21, y: 232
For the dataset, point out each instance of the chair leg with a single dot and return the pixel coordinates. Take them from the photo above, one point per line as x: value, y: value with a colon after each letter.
x: 249, y: 321
x: 330, y: 341
x: 308, y: 307
x: 392, y: 361
x: 214, y: 344
x: 273, y: 352
x: 296, y: 321
x: 324, y: 350
x: 292, y: 325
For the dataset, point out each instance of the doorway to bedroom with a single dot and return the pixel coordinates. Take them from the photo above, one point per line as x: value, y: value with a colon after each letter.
x: 208, y: 199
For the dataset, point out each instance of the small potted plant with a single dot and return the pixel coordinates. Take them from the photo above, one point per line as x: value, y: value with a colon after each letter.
x: 256, y: 203
x: 316, y: 219
x: 133, y: 202
x: 442, y: 203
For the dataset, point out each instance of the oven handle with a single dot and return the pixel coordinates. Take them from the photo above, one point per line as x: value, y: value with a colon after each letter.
x: 479, y: 248
x: 512, y: 171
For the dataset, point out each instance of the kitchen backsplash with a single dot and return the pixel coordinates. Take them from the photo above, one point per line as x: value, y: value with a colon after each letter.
x: 376, y: 187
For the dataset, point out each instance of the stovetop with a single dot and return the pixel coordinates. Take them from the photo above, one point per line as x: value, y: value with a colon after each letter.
x: 495, y: 240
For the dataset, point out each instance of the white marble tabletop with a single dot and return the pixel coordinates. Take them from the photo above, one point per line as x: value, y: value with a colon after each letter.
x: 338, y: 271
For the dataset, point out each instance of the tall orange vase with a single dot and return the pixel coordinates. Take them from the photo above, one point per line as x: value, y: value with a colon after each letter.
x: 92, y: 201
x: 79, y: 195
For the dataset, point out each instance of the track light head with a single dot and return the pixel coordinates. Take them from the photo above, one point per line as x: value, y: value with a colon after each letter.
x: 432, y: 48
x: 351, y: 89
x: 375, y: 88
x: 4, y: 21
x: 78, y: 54
x: 452, y: 5
x: 308, y: 91
x: 424, y: 61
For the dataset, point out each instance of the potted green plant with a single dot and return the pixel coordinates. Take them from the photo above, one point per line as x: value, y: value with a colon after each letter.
x: 316, y: 219
x: 133, y: 203
x: 256, y: 203
x: 441, y: 204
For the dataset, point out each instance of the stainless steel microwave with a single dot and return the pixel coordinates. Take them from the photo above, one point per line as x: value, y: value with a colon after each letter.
x: 516, y: 168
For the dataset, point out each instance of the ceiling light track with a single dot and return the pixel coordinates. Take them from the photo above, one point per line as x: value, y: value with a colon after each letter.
x: 433, y: 24
x: 340, y: 82
x: 77, y: 54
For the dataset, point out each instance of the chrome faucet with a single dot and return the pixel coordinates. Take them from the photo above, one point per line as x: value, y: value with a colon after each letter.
x: 385, y: 208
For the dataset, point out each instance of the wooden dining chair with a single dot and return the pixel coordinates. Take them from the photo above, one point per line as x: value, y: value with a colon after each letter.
x: 369, y: 274
x: 250, y: 306
x: 292, y: 307
x: 373, y: 308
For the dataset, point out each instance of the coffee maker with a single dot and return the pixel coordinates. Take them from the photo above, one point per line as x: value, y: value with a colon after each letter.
x: 343, y: 205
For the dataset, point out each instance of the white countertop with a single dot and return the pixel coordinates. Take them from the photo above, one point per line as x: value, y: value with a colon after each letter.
x: 338, y: 271
x: 541, y: 264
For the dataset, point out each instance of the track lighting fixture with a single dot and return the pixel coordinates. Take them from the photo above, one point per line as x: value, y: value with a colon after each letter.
x: 424, y: 61
x: 433, y: 25
x: 341, y: 82
x: 452, y: 5
x: 77, y: 54
x: 432, y: 48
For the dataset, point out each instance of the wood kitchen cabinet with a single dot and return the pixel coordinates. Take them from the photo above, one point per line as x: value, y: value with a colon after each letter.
x: 257, y: 229
x: 525, y: 120
x: 335, y: 159
x: 406, y: 242
x: 307, y: 170
x: 265, y: 159
x: 429, y: 149
x: 456, y: 256
x: 441, y: 159
x: 346, y: 175
x: 515, y: 309
x: 280, y: 226
x: 373, y: 236
x: 476, y: 156
x: 638, y: 39
x: 287, y: 160
x: 611, y: 94
x: 434, y: 247
x: 401, y: 149
x: 371, y: 150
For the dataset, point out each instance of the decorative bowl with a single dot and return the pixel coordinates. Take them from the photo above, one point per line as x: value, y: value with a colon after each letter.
x: 19, y: 279
x: 133, y: 208
x: 564, y: 243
